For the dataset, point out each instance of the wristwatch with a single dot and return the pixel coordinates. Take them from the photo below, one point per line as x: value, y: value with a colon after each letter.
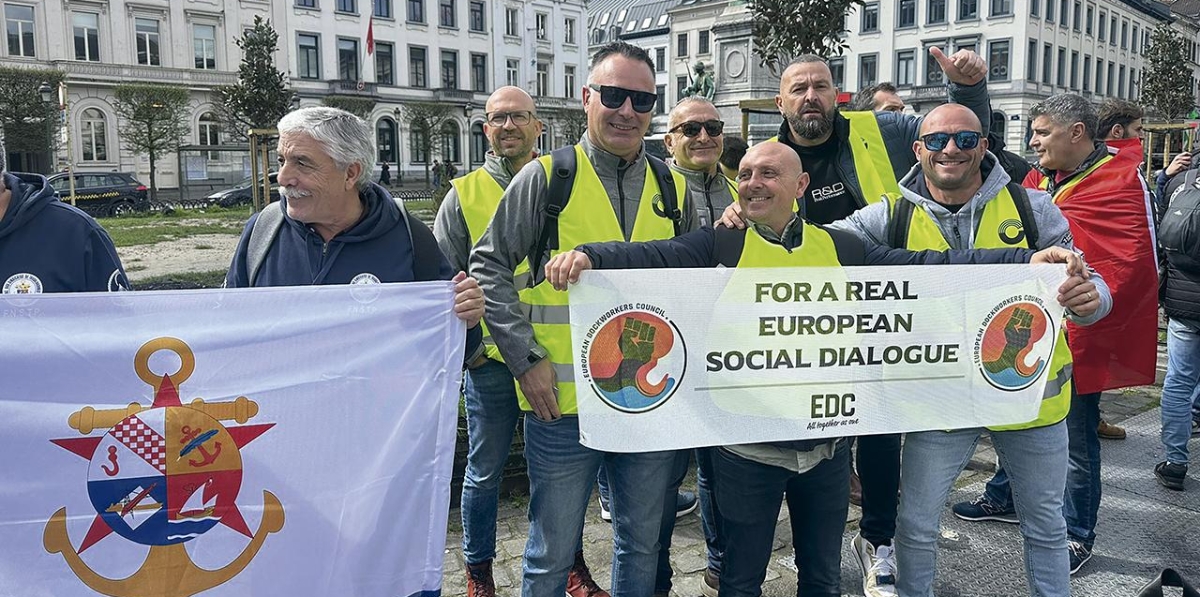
x: 536, y: 354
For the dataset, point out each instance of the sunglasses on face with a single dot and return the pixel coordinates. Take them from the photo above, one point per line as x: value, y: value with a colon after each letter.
x: 614, y: 97
x: 692, y: 128
x: 519, y: 118
x: 963, y: 139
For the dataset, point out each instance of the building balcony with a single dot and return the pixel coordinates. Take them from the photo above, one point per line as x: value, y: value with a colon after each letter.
x: 555, y: 103
x: 361, y: 88
x: 929, y: 92
x: 453, y: 96
x: 131, y: 73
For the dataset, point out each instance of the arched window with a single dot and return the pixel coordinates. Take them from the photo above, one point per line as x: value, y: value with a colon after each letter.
x: 93, y: 136
x: 479, y: 144
x: 385, y: 140
x: 208, y: 132
x: 451, y: 143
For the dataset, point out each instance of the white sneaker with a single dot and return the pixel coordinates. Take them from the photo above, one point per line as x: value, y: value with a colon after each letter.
x: 878, y: 567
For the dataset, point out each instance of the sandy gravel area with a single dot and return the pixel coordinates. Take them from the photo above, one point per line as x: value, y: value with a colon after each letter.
x: 199, y: 253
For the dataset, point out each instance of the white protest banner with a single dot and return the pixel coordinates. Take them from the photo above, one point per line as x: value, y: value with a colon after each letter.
x: 278, y: 441
x: 672, y: 359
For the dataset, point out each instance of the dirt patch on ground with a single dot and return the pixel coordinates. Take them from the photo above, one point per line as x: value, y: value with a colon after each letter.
x: 199, y: 253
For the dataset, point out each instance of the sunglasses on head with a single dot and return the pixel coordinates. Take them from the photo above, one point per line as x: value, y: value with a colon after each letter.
x: 614, y: 97
x: 692, y: 128
x: 963, y: 139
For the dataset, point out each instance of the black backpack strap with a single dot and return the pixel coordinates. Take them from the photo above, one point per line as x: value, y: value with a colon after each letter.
x: 898, y: 224
x: 1025, y: 211
x: 670, y: 195
x: 420, y: 238
x: 562, y: 179
x: 729, y: 243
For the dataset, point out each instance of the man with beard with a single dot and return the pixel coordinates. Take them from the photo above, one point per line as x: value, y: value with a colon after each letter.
x: 842, y: 151
x: 854, y: 158
x: 490, y: 395
x: 959, y: 197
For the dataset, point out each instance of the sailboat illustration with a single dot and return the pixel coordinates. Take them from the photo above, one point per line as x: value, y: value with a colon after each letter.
x: 136, y: 507
x: 196, y: 508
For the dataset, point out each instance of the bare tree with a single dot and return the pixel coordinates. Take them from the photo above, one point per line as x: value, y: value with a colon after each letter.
x: 426, y: 121
x: 155, y: 121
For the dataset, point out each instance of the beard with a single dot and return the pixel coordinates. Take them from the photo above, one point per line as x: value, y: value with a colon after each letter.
x: 810, y: 128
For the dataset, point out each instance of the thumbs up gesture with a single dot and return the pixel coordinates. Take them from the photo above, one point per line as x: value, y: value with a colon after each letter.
x: 963, y: 67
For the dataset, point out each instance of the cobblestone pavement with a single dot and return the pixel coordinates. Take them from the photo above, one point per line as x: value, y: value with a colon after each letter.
x: 1132, y: 497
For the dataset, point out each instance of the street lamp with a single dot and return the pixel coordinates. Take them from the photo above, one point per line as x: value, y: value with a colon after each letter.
x: 47, y: 92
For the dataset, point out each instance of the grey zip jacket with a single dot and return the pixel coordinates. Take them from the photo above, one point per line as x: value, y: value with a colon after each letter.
x: 871, y: 222
x: 711, y: 192
x: 515, y: 231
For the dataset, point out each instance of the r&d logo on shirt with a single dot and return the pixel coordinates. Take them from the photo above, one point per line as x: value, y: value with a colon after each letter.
x: 836, y: 189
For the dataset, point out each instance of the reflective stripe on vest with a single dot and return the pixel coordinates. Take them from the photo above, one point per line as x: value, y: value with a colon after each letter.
x: 872, y: 165
x: 923, y: 233
x: 478, y: 197
x: 1064, y: 191
x: 587, y: 218
x: 1000, y: 218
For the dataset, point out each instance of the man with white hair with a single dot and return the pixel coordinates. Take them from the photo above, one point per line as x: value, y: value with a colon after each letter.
x: 49, y: 246
x: 332, y: 225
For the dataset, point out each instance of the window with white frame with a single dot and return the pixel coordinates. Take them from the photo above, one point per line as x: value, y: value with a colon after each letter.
x: 906, y: 67
x: 204, y: 46
x: 18, y: 20
x: 541, y: 21
x: 569, y: 31
x: 512, y: 21
x: 93, y: 135
x: 208, y: 132
x: 543, y: 79
x: 147, y: 42
x: 512, y: 72
x: 569, y: 81
x: 86, y: 26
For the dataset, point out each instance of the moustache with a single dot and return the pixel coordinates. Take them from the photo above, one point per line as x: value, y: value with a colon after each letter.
x: 290, y: 193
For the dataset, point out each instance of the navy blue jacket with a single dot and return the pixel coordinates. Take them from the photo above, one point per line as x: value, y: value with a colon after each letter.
x: 702, y: 248
x: 49, y: 246
x: 379, y: 245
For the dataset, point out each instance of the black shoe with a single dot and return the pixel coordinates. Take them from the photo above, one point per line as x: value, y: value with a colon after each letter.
x: 1171, y: 475
x: 685, y: 503
x: 1079, y: 555
x: 981, y: 509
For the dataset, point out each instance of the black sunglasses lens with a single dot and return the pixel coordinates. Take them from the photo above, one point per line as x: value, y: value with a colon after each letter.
x: 614, y: 97
x: 713, y: 128
x: 936, y: 141
x: 690, y: 129
x: 966, y: 140
x: 643, y: 102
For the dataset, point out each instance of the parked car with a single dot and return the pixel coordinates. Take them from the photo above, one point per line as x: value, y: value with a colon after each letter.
x: 103, y: 193
x: 240, y: 193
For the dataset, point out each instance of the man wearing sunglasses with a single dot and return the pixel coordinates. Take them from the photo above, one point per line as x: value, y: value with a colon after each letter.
x: 959, y: 197
x: 614, y: 196
x: 512, y: 128
x: 1104, y: 197
x: 695, y: 139
x: 751, y: 480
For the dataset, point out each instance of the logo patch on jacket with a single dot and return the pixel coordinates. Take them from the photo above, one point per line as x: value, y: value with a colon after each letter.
x: 1011, y: 232
x: 365, y: 278
x: 22, y: 284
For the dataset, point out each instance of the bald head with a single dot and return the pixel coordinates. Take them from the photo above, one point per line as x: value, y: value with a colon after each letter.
x: 770, y: 178
x: 512, y: 126
x: 959, y: 114
x: 509, y: 98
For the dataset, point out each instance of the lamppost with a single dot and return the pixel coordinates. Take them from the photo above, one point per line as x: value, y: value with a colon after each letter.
x: 47, y: 93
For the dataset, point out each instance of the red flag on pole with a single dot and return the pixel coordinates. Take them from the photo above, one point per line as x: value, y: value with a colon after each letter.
x: 371, y: 36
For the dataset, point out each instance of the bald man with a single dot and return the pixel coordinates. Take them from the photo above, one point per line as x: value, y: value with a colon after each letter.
x: 512, y: 128
x: 750, y: 480
x: 958, y: 197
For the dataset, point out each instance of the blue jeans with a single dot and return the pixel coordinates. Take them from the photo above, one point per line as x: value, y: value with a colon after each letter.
x: 749, y: 495
x: 710, y: 514
x: 662, y: 578
x: 561, y: 473
x: 930, y: 463
x: 492, y: 414
x: 1181, y: 389
x: 1081, y: 504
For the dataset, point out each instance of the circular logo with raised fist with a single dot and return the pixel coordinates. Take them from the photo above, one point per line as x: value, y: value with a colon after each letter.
x: 1014, y: 344
x: 634, y: 358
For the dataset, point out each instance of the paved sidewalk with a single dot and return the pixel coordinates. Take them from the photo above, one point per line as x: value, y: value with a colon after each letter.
x: 1142, y: 527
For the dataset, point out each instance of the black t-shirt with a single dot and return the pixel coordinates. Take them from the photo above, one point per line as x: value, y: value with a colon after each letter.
x: 827, y: 199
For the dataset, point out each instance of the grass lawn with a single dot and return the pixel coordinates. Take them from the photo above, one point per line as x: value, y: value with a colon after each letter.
x: 182, y: 223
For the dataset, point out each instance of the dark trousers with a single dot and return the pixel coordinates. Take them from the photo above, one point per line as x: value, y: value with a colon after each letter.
x: 749, y: 495
x: 878, y: 462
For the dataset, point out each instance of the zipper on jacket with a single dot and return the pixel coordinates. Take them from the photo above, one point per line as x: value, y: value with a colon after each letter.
x: 621, y: 201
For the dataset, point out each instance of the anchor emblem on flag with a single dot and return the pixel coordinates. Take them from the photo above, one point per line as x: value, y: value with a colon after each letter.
x: 161, y: 476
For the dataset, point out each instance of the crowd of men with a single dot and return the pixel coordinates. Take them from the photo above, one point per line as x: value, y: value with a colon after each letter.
x: 879, y: 185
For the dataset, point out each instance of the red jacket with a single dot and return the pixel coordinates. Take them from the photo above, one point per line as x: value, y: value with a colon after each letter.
x: 1110, y: 214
